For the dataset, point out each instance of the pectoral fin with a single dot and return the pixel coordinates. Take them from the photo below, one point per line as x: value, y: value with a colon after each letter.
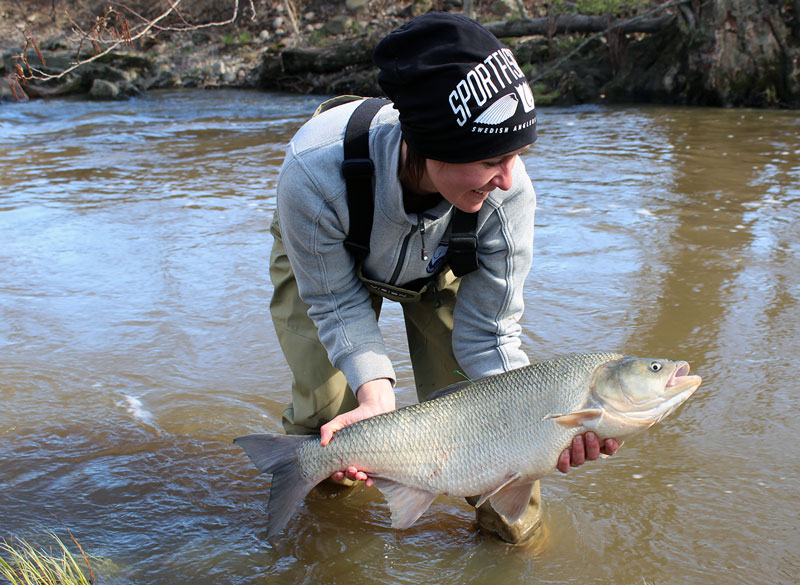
x: 577, y: 418
x: 406, y: 503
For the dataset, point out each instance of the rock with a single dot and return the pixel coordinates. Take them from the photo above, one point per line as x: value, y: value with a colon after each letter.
x: 421, y: 7
x: 338, y: 25
x: 104, y: 90
x: 219, y: 68
x: 356, y: 5
x: 502, y: 8
x: 264, y: 36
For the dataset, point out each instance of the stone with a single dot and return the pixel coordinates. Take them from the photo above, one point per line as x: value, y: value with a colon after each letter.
x: 219, y: 68
x: 502, y: 8
x: 104, y: 90
x: 338, y: 25
x: 356, y: 5
x: 421, y: 7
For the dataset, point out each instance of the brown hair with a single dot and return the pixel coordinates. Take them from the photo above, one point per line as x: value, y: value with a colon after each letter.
x: 412, y: 168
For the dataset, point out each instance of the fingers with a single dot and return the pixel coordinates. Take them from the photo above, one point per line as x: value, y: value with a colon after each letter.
x: 563, y: 461
x: 585, y: 448
x: 592, y: 446
x: 610, y: 447
x: 578, y: 452
x: 329, y: 429
x: 353, y: 474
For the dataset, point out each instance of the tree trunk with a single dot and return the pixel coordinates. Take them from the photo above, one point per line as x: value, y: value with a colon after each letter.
x: 748, y: 52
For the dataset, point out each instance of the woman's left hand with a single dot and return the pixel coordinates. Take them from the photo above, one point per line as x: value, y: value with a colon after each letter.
x: 584, y: 448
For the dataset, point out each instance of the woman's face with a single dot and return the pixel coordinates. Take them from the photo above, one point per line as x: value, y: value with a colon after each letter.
x: 467, y: 185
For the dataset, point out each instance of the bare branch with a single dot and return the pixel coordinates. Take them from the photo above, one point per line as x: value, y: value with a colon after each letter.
x: 108, y: 33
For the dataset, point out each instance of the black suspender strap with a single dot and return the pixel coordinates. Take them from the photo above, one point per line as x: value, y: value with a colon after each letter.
x: 463, y: 247
x: 358, y: 170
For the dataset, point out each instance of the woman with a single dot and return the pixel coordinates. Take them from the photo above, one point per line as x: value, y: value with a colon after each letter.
x: 462, y: 113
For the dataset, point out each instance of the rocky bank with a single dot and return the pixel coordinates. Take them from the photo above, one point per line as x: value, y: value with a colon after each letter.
x: 325, y: 47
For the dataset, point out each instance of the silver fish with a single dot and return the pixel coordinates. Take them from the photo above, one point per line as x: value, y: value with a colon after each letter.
x: 493, y: 437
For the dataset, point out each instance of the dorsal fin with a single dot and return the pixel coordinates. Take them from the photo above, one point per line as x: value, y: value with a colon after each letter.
x: 448, y: 390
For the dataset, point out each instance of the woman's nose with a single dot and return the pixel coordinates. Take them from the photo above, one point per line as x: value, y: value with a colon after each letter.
x: 502, y: 180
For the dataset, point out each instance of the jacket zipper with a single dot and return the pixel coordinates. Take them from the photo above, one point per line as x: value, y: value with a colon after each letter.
x: 404, y: 249
x: 421, y: 228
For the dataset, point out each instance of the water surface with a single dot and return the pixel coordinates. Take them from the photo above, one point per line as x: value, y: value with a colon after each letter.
x: 135, y: 344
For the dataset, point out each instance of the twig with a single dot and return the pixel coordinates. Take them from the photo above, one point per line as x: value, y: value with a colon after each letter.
x: 292, y: 18
x: 121, y: 34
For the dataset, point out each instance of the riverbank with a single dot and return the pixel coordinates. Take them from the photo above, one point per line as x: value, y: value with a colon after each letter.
x: 663, y: 53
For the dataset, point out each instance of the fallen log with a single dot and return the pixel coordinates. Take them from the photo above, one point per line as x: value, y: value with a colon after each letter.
x: 577, y: 23
x: 328, y: 59
x: 338, y: 57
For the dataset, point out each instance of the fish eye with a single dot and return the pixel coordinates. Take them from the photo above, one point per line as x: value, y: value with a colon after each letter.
x: 655, y: 366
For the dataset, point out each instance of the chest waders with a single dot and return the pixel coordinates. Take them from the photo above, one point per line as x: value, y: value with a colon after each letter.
x: 319, y: 390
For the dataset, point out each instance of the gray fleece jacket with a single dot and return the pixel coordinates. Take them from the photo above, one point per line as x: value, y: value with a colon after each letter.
x: 314, y: 222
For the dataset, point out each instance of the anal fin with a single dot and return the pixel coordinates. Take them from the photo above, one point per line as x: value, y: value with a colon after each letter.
x: 406, y: 503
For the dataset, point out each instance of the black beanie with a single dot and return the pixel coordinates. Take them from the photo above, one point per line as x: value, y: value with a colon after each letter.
x: 460, y: 93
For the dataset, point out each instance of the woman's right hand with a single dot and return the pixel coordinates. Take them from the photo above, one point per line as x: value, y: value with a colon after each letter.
x: 374, y: 397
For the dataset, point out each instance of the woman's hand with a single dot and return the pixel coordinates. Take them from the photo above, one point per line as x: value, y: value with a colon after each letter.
x: 584, y: 448
x: 374, y: 397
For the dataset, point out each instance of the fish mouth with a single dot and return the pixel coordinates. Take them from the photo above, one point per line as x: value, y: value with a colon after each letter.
x: 680, y: 381
x: 677, y: 390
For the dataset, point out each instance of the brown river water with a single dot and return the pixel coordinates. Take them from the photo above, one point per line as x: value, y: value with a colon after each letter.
x: 135, y: 344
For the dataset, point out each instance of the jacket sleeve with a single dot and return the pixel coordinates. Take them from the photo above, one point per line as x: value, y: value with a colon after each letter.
x: 312, y: 212
x: 486, y: 330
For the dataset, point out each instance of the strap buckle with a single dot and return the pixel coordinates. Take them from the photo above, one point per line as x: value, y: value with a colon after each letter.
x: 357, y: 168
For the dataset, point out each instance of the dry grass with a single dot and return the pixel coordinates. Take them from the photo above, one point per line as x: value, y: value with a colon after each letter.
x: 22, y: 563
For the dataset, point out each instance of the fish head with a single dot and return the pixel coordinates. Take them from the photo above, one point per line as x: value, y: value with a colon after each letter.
x: 642, y: 391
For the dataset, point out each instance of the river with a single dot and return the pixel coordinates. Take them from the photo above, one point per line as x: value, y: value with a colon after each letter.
x: 135, y: 344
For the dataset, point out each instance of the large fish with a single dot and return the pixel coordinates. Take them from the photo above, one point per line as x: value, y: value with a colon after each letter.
x: 493, y: 437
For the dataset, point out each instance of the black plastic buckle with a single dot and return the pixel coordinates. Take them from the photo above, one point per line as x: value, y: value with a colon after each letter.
x: 357, y: 168
x: 463, y: 242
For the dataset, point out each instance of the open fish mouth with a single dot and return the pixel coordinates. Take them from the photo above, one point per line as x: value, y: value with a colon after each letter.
x: 680, y: 380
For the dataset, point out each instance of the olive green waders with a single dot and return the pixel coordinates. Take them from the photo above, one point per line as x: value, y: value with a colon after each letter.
x: 320, y: 391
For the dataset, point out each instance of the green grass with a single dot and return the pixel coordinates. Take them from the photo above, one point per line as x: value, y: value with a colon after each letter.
x: 597, y: 6
x: 22, y: 563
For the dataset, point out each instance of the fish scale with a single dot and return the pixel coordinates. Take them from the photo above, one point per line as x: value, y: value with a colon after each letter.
x: 478, y: 438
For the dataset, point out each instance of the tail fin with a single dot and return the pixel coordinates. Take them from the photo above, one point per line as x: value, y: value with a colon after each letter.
x: 277, y: 454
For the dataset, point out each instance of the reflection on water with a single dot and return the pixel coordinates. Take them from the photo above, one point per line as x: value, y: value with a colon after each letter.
x: 135, y: 343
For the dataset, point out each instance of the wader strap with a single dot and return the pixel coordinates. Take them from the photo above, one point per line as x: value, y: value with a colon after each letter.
x: 358, y: 170
x: 463, y: 247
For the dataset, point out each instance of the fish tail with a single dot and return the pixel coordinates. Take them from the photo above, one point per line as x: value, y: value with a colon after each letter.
x: 278, y: 455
